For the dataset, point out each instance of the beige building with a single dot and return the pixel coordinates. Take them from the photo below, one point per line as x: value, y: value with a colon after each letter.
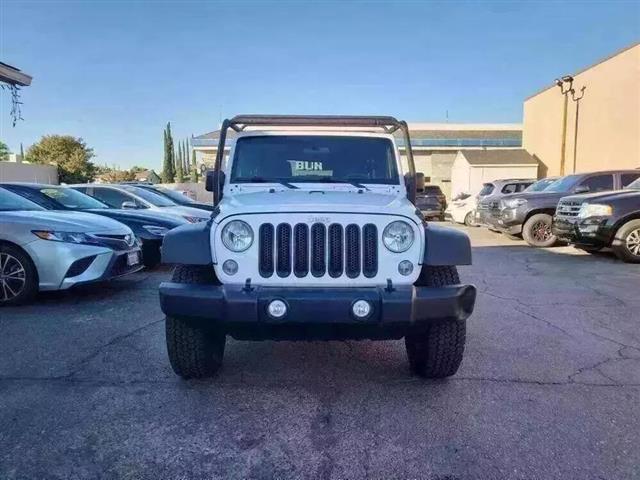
x: 604, y: 106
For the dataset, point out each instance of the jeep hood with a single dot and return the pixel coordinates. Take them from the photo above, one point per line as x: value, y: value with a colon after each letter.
x: 316, y: 201
x: 605, y: 196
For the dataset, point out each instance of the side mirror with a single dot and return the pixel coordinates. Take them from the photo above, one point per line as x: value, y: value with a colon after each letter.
x: 213, y: 178
x: 129, y: 205
x: 420, y: 182
x: 581, y: 189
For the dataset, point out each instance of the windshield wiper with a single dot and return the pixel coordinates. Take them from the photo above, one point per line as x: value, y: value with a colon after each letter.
x: 335, y: 180
x: 264, y: 180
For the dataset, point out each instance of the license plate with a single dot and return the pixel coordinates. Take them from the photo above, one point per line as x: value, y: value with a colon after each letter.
x: 132, y: 259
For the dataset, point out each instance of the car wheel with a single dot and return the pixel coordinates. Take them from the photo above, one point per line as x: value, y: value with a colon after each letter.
x: 537, y: 231
x: 195, y: 351
x: 437, y: 352
x: 626, y: 245
x: 468, y: 220
x: 18, y: 276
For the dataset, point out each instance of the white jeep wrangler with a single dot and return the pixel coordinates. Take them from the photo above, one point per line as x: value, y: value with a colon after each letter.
x: 315, y: 236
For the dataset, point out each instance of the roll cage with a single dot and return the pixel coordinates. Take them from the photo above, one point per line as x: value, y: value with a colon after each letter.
x: 386, y: 124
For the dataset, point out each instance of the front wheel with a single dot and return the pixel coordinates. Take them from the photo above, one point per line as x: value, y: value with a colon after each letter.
x: 469, y: 219
x: 438, y: 351
x: 18, y: 276
x: 627, y: 243
x: 537, y: 231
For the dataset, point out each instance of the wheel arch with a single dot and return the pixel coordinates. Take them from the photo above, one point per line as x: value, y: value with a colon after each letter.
x: 535, y: 211
x: 621, y: 222
x: 445, y: 246
x: 26, y: 254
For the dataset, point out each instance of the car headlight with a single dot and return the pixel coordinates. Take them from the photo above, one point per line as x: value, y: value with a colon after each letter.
x: 514, y: 202
x: 69, y: 237
x: 237, y: 236
x: 398, y: 236
x: 156, y: 230
x: 595, y: 210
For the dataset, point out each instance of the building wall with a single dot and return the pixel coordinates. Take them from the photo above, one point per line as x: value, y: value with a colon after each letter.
x: 608, y: 123
x: 26, y: 172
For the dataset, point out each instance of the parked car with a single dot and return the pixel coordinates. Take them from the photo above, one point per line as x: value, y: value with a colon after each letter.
x: 462, y: 209
x: 149, y: 226
x: 431, y: 202
x: 530, y: 214
x: 177, y: 197
x: 595, y: 221
x: 327, y: 246
x: 133, y: 197
x: 492, y: 192
x: 45, y: 250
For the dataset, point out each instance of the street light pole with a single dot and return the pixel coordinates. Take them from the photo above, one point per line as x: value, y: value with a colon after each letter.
x: 560, y: 82
x: 575, y: 132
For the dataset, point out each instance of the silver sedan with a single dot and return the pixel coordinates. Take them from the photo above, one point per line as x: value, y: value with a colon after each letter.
x: 45, y: 250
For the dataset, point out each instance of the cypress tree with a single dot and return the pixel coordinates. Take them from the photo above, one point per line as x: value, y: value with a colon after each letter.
x: 185, y: 157
x: 21, y: 152
x: 179, y: 164
x: 167, y: 176
x: 194, y: 167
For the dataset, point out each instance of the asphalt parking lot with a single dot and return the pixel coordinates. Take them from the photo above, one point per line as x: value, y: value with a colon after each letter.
x: 549, y: 387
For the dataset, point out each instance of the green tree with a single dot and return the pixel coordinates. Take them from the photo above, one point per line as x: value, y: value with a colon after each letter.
x: 168, y: 170
x: 185, y: 158
x: 194, y: 167
x: 179, y: 164
x: 70, y: 154
x: 4, y: 152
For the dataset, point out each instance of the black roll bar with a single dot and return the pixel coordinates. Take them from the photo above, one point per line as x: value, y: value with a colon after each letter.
x: 386, y: 123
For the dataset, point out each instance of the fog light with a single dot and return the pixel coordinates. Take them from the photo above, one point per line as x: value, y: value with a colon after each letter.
x: 230, y: 267
x: 277, y: 309
x: 361, y: 308
x: 405, y: 267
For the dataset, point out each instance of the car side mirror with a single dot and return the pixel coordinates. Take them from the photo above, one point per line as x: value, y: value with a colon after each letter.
x: 129, y: 205
x: 581, y: 189
x: 213, y: 178
x: 420, y: 182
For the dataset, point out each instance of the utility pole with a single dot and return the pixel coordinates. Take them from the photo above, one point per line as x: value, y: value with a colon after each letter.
x: 575, y: 132
x: 560, y: 82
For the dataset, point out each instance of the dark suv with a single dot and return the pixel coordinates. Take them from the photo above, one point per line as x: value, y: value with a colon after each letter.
x: 431, y: 202
x: 597, y: 220
x: 530, y: 214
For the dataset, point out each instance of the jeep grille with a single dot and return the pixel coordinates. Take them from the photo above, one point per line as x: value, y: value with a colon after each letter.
x: 336, y: 250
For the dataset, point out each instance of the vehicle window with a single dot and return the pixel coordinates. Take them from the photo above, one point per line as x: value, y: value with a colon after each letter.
x: 563, y: 184
x: 598, y: 183
x: 628, y: 178
x: 487, y: 189
x: 10, y: 202
x: 35, y: 197
x: 173, y: 195
x: 314, y: 158
x: 634, y: 185
x: 113, y: 198
x: 152, y: 197
x: 521, y: 187
x: 71, y: 198
x: 510, y: 188
x: 540, y: 185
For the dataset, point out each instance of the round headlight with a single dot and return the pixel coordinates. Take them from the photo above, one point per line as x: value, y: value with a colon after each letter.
x: 237, y: 236
x: 398, y: 236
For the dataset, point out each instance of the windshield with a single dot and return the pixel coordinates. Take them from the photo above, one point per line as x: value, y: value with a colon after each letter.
x: 563, y: 184
x: 540, y: 185
x: 72, y: 199
x: 173, y: 195
x: 10, y: 202
x: 314, y: 158
x: 153, y: 198
x: 635, y: 185
x: 487, y: 188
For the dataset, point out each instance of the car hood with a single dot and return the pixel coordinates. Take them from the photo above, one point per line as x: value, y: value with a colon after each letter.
x: 66, y: 221
x: 316, y: 201
x: 187, y: 211
x: 154, y: 216
x: 535, y: 196
x: 604, y: 196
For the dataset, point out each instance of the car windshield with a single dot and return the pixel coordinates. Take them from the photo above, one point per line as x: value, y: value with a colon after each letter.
x: 11, y: 202
x: 635, y: 185
x: 487, y: 188
x: 173, y: 195
x: 314, y: 159
x: 563, y: 184
x: 72, y: 199
x: 540, y: 185
x: 153, y: 198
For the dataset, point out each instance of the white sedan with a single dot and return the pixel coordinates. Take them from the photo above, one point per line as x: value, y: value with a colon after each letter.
x: 462, y: 209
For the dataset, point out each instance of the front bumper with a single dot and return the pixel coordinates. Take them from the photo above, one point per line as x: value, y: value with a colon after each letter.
x: 590, y: 232
x: 507, y: 220
x: 394, y: 310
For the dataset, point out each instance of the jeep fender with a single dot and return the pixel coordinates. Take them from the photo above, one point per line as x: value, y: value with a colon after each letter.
x: 188, y: 245
x: 445, y: 246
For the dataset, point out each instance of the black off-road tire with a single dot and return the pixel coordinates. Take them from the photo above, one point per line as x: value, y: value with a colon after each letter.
x: 625, y: 245
x: 195, y: 351
x: 536, y: 231
x: 438, y: 351
x: 12, y: 260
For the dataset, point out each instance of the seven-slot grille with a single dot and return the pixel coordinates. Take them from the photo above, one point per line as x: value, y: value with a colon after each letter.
x: 318, y: 250
x: 568, y: 209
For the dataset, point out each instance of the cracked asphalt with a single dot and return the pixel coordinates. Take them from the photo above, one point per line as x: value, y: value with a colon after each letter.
x: 549, y: 387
